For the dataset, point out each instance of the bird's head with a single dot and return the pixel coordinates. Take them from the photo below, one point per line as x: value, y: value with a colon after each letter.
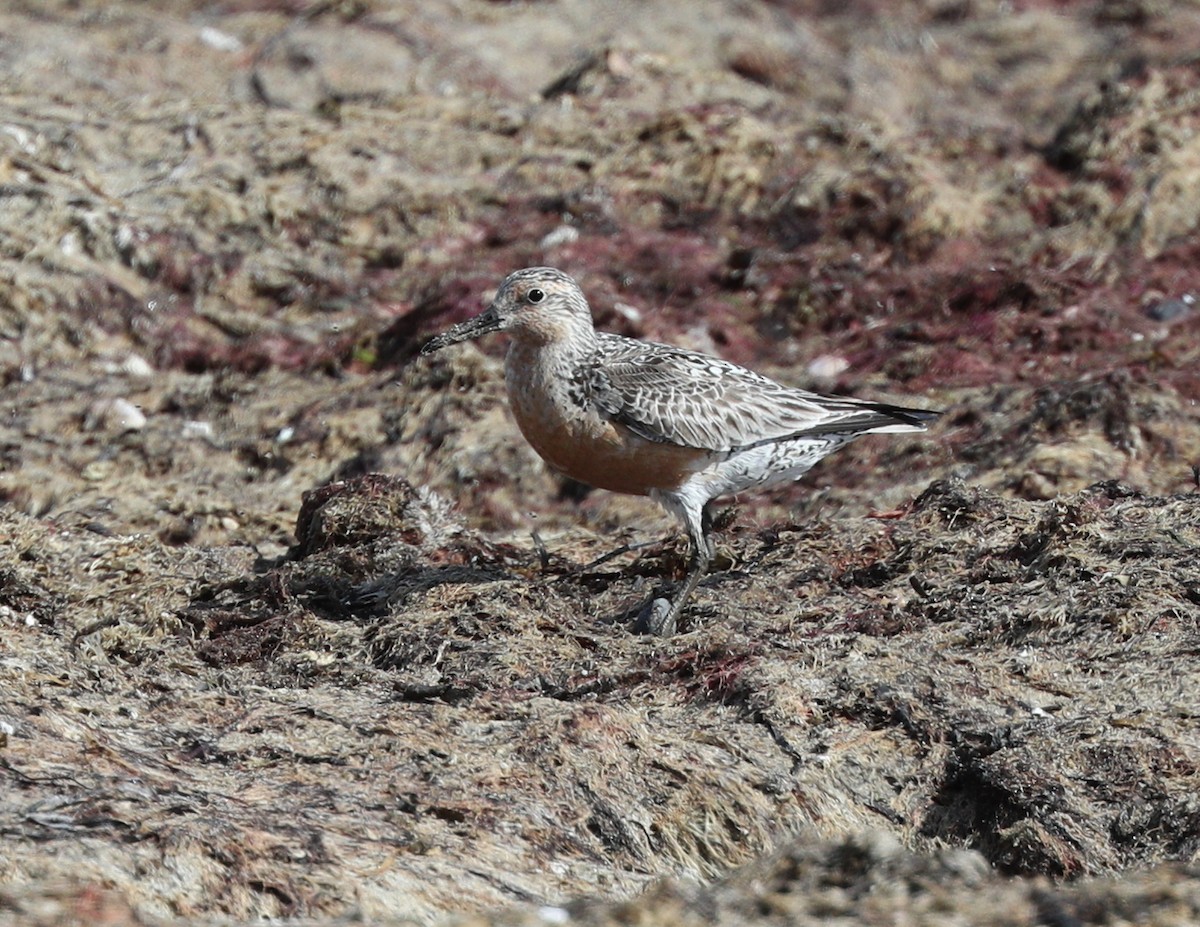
x: 540, y: 305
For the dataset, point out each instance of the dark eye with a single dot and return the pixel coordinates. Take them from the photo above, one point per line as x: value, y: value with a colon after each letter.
x: 535, y: 296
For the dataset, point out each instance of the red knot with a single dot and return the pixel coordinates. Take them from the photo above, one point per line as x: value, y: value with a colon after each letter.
x: 654, y: 420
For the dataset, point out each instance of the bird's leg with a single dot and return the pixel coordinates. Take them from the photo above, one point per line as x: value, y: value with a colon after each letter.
x: 661, y: 616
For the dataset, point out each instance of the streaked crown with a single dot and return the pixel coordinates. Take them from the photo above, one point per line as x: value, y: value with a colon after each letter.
x: 543, y: 304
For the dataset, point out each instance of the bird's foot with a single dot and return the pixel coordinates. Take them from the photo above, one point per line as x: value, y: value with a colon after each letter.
x: 659, y: 617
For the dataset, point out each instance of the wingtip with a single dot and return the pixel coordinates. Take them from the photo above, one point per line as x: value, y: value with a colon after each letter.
x: 904, y: 418
x: 921, y: 416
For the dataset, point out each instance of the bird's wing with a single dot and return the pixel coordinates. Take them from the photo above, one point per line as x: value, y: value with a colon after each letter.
x: 672, y: 396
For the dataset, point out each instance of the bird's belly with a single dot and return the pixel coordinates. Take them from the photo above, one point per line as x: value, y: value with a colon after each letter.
x: 597, y: 452
x: 768, y: 464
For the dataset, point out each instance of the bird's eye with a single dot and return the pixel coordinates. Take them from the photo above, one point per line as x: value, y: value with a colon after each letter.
x: 535, y: 296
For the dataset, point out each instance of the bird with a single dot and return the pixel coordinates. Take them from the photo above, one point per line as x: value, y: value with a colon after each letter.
x: 650, y: 419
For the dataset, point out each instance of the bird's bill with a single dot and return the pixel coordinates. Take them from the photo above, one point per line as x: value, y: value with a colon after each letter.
x: 487, y: 321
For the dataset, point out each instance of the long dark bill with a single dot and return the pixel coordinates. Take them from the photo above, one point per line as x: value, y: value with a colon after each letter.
x: 487, y: 321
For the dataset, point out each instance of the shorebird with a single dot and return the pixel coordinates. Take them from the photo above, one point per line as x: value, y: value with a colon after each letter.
x: 654, y: 420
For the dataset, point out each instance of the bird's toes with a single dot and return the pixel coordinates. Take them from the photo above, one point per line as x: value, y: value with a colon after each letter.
x: 657, y: 618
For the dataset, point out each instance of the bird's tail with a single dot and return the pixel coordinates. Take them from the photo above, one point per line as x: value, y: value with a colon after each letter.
x: 901, y: 420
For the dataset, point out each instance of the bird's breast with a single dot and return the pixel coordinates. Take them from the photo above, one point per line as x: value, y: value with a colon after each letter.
x: 568, y: 432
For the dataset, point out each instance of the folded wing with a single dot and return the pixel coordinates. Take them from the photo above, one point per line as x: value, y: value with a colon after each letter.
x: 669, y: 395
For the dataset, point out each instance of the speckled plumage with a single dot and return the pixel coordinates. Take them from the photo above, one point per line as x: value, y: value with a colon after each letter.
x: 651, y: 419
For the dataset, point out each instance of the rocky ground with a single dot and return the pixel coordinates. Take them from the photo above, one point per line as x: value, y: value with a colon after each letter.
x: 294, y: 625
